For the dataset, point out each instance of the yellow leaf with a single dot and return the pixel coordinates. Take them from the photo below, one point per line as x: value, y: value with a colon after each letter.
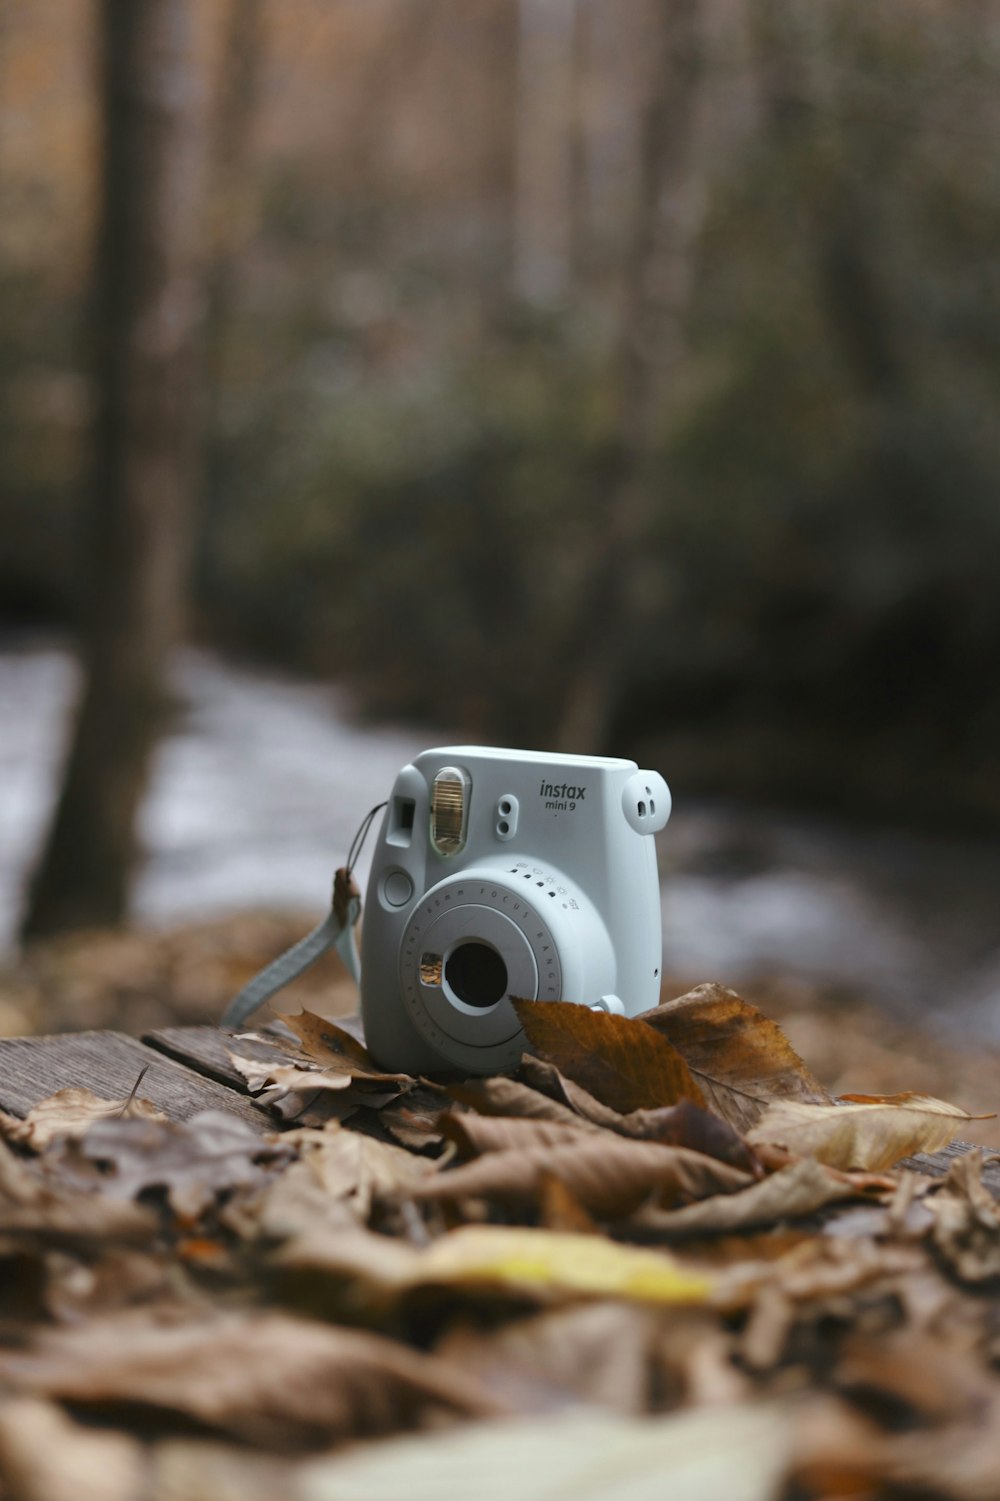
x: 546, y: 1263
x: 549, y: 1260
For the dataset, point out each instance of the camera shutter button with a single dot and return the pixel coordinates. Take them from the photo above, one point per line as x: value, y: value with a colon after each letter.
x: 398, y: 888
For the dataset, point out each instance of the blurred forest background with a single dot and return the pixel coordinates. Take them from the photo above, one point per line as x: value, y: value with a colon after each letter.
x: 613, y: 375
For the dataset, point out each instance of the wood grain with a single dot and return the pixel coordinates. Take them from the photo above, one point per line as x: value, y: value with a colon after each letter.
x: 32, y: 1068
x: 206, y: 1050
x: 936, y: 1164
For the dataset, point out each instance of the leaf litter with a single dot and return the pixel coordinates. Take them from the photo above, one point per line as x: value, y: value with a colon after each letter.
x: 661, y: 1234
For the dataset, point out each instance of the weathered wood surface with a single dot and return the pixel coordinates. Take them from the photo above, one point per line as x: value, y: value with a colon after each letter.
x: 203, y: 1049
x: 206, y: 1051
x: 936, y: 1164
x: 190, y: 1070
x: 31, y: 1068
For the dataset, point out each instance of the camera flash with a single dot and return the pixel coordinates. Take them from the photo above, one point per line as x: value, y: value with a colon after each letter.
x: 450, y: 810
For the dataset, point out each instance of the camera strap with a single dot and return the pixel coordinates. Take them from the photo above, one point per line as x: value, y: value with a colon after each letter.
x: 336, y: 931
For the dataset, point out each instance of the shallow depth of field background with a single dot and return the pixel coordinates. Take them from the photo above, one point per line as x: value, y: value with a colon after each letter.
x: 615, y: 375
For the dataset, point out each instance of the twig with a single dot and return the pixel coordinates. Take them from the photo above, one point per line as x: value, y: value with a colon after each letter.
x: 142, y: 1074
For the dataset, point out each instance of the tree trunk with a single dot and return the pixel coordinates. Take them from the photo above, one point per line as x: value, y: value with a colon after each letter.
x: 657, y: 274
x: 544, y: 150
x: 233, y: 211
x: 147, y: 314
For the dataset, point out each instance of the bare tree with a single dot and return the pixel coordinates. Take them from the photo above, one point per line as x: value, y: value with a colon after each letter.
x: 544, y: 147
x: 658, y: 264
x: 147, y: 311
x: 236, y: 95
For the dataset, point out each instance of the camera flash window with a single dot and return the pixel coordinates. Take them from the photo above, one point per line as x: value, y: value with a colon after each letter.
x: 450, y: 810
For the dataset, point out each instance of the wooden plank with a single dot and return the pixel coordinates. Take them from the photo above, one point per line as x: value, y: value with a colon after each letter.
x: 31, y: 1068
x: 936, y: 1164
x: 205, y: 1049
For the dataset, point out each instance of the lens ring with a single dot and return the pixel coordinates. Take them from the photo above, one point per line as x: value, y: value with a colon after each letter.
x: 477, y: 974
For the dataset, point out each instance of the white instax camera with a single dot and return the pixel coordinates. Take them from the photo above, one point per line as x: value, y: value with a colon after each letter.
x: 503, y: 873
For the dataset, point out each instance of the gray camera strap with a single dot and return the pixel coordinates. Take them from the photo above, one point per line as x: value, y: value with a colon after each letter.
x: 336, y: 931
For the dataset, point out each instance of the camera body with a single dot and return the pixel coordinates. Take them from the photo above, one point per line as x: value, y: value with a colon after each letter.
x: 504, y: 873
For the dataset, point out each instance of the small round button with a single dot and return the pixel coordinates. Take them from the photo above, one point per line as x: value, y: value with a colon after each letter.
x: 398, y: 888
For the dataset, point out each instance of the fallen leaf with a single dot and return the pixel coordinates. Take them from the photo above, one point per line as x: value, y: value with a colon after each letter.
x: 737, y: 1453
x: 547, y: 1261
x: 334, y: 1047
x: 926, y: 1378
x: 193, y: 1161
x: 608, y: 1353
x: 351, y: 1165
x: 741, y: 1059
x: 37, y: 1207
x: 547, y: 1079
x: 607, y: 1174
x: 683, y: 1125
x: 559, y: 1210
x: 867, y: 1136
x: 474, y: 1134
x: 491, y: 1258
x: 792, y: 1192
x: 44, y: 1456
x: 611, y: 1056
x: 71, y: 1112
x: 501, y: 1096
x: 966, y: 1229
x: 266, y: 1378
x: 199, y: 1469
x: 412, y: 1117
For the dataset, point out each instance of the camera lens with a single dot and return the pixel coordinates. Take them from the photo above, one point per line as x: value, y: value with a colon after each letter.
x: 476, y: 974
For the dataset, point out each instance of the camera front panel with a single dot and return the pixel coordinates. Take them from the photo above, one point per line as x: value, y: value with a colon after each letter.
x: 470, y: 944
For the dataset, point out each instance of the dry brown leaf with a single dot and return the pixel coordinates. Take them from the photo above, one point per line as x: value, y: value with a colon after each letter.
x: 966, y: 1229
x: 474, y: 1134
x: 926, y: 1377
x: 811, y: 1271
x: 741, y: 1059
x: 333, y: 1047
x: 501, y: 1096
x: 350, y: 1165
x: 792, y: 1192
x: 607, y: 1174
x: 194, y: 1161
x: 871, y: 1137
x: 38, y: 1208
x: 267, y: 1378
x: 200, y: 1469
x: 46, y: 1457
x: 546, y: 1078
x: 71, y: 1112
x: 412, y: 1117
x: 611, y: 1056
x: 559, y: 1210
x: 286, y: 1078
x: 609, y: 1354
x: 682, y: 1125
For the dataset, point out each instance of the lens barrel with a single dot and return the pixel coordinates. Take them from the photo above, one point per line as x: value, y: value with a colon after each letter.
x: 477, y: 974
